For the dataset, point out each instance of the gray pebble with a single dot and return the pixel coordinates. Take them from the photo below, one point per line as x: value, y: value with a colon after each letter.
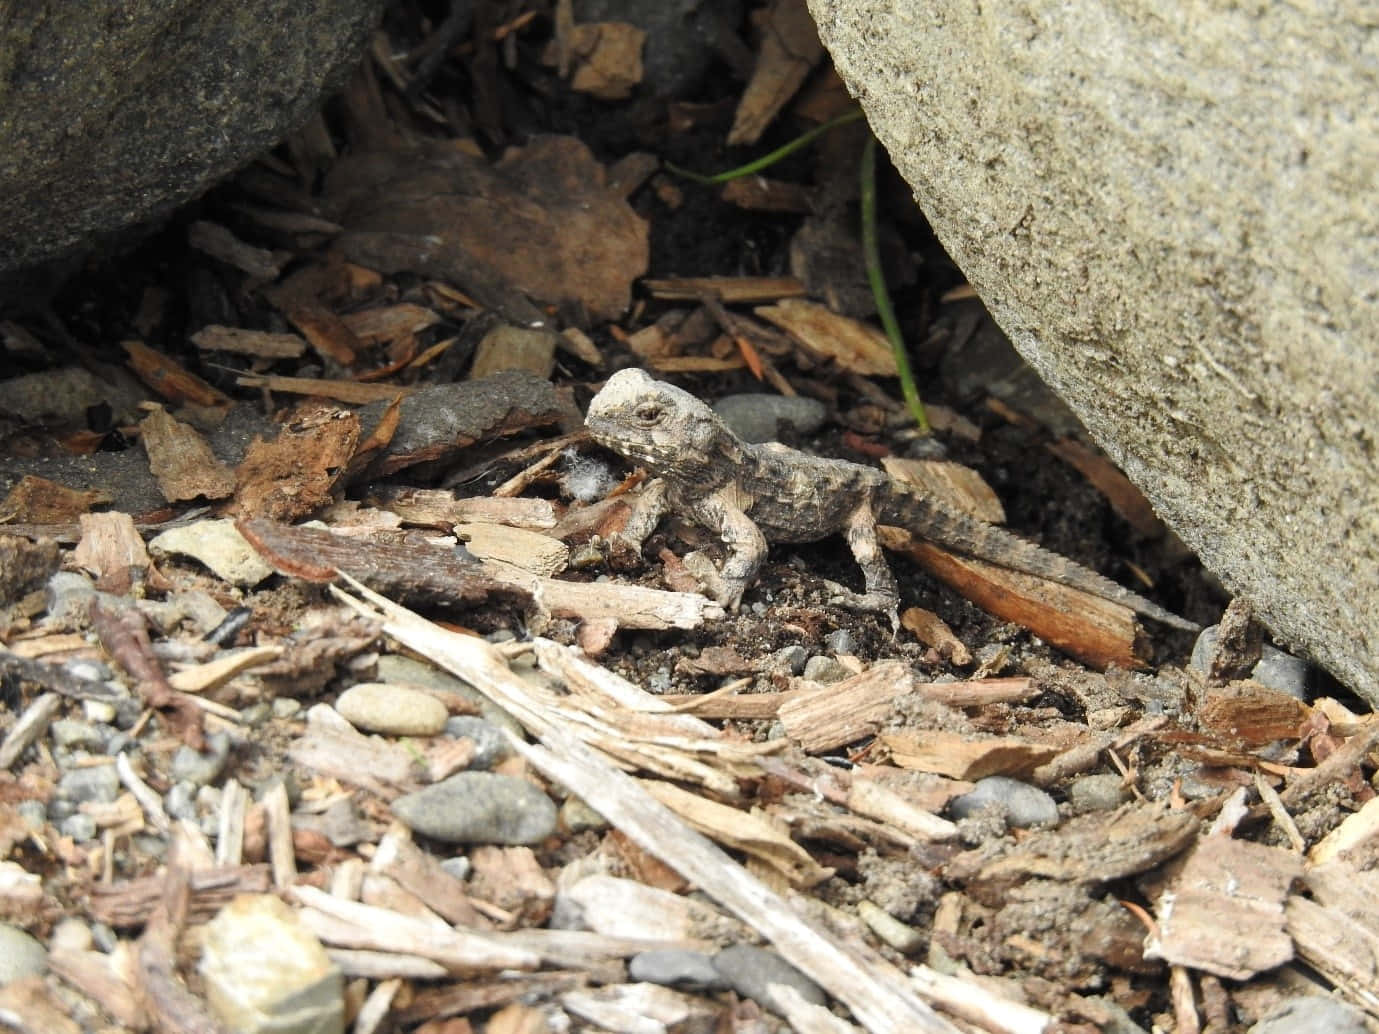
x: 74, y: 734
x: 20, y: 955
x: 96, y: 783
x: 286, y: 707
x: 1311, y: 1015
x: 753, y: 417
x: 674, y: 968
x: 825, y: 670
x: 391, y: 710
x: 458, y: 867
x: 1275, y: 669
x: 394, y: 668
x: 791, y: 659
x: 1096, y: 793
x: 840, y: 640
x: 256, y: 715
x: 490, y: 745
x: 479, y: 808
x: 1023, y: 805
x: 67, y: 596
x: 118, y: 743
x: 201, y: 767
x: 750, y: 971
x: 79, y: 826
x: 104, y: 937
x: 91, y: 670
x: 180, y: 801
x: 576, y: 816
x: 34, y: 814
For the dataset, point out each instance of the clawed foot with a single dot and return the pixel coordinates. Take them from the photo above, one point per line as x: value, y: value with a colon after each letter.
x: 869, y: 602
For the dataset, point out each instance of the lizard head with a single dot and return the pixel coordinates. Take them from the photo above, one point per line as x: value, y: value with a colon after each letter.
x: 658, y: 425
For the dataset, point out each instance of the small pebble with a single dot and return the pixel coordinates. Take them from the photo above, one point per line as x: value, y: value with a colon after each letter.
x: 102, y: 711
x: 750, y: 971
x: 392, y: 710
x: 286, y: 707
x: 67, y: 597
x: 490, y: 745
x: 79, y: 826
x: 674, y: 968
x: 479, y: 808
x: 1312, y: 1014
x: 394, y: 668
x: 73, y: 734
x: 94, y: 783
x: 825, y: 670
x: 70, y: 934
x: 20, y: 955
x: 789, y: 659
x: 1275, y: 669
x: 1096, y: 793
x: 180, y: 801
x: 576, y: 816
x: 1024, y: 806
x: 104, y: 937
x: 256, y: 714
x: 204, y: 766
x: 754, y: 417
x: 840, y: 640
x: 458, y: 867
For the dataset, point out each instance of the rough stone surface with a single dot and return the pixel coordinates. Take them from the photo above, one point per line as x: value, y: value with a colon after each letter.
x: 116, y: 111
x: 1173, y: 217
x: 1312, y: 1015
x: 479, y: 808
x: 393, y: 710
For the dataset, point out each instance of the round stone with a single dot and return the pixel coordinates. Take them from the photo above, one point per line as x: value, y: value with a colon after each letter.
x: 392, y: 710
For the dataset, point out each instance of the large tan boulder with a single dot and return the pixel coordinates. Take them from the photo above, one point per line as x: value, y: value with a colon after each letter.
x: 1173, y: 211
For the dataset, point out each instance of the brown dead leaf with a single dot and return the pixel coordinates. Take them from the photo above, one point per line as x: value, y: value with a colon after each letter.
x: 541, y: 221
x: 607, y: 58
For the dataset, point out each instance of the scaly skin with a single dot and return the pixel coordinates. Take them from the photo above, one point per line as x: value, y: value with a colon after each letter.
x: 750, y: 495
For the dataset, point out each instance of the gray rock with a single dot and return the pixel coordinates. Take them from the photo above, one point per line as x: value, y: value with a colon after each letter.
x: 1096, y: 793
x: 394, y: 668
x: 1022, y: 805
x: 294, y: 988
x: 97, y: 783
x: 72, y: 734
x: 754, y: 418
x: 674, y: 968
x: 825, y: 670
x: 391, y: 710
x: 1275, y: 669
x: 479, y: 808
x: 458, y: 867
x: 791, y: 659
x: 490, y: 745
x: 118, y: 112
x: 1183, y: 242
x: 840, y: 640
x: 20, y: 955
x: 180, y: 801
x: 201, y: 767
x: 79, y: 826
x: 1312, y: 1015
x: 67, y: 597
x: 750, y: 971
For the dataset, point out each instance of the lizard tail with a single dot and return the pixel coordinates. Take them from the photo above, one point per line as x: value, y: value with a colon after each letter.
x: 982, y: 541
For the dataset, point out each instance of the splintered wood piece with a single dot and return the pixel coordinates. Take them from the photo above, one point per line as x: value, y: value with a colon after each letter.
x: 390, y: 323
x: 759, y: 194
x: 529, y: 550
x: 956, y: 485
x: 457, y: 999
x: 641, y: 1006
x: 932, y: 630
x: 182, y: 461
x: 203, y: 677
x: 295, y: 473
x: 219, y: 243
x: 1336, y: 931
x: 607, y: 58
x: 327, y: 333
x: 1223, y: 913
x: 258, y: 343
x: 1356, y: 831
x: 1251, y: 715
x: 169, y: 379
x: 755, y: 834
x: 351, y: 392
x: 845, y: 712
x: 988, y: 1012
x: 112, y: 549
x: 36, y: 500
x: 767, y: 705
x: 1095, y: 631
x: 631, y: 606
x: 1119, y: 490
x: 350, y: 924
x: 789, y: 50
x: 855, y: 346
x: 434, y: 506
x: 96, y: 975
x: 1096, y: 848
x: 734, y: 290
x: 512, y: 879
x: 960, y: 756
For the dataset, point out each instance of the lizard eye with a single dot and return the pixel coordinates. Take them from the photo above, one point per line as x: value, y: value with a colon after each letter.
x: 648, y: 413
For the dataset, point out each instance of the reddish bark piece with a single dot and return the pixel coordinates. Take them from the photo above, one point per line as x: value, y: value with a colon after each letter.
x: 294, y: 474
x: 182, y: 460
x: 37, y: 500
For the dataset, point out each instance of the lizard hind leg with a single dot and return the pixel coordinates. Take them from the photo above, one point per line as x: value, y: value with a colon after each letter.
x: 882, y: 594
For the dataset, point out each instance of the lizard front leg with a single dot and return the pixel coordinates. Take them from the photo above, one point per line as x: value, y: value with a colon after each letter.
x: 882, y: 594
x: 746, y: 545
x: 625, y: 547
